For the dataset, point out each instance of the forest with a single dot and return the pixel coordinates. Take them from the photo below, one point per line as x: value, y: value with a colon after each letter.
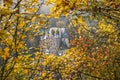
x: 59, y: 39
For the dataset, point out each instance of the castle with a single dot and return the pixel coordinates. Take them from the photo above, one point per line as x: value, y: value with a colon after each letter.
x: 54, y: 41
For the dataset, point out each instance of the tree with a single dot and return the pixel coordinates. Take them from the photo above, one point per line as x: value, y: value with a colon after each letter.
x: 95, y: 47
x: 20, y: 23
x: 96, y: 27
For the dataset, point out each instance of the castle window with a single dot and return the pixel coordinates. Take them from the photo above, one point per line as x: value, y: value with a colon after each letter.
x: 57, y: 32
x: 53, y: 32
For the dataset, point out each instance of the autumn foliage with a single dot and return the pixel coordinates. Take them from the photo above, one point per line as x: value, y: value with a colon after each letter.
x: 94, y: 28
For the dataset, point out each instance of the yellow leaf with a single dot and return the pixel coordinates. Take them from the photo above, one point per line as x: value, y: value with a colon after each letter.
x: 6, y: 53
x: 4, y: 57
x: 34, y: 18
x: 22, y: 23
x: 23, y: 37
x: 5, y: 11
x: 52, y: 9
x: 6, y: 49
x: 31, y: 9
x: 57, y: 15
x: 49, y: 16
x: 43, y: 74
x: 66, y: 14
x: 8, y: 2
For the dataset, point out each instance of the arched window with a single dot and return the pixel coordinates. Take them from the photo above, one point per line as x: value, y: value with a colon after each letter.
x: 53, y: 32
x: 57, y: 32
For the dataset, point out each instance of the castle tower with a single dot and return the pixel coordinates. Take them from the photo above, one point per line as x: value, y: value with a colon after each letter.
x: 52, y: 41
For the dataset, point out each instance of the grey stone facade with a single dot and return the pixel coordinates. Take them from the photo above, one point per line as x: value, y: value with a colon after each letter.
x: 55, y: 41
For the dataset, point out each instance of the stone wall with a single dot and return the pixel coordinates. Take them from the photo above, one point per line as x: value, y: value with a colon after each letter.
x: 50, y: 45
